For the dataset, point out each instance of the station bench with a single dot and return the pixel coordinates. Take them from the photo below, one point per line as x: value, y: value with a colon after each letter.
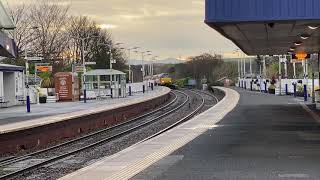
x: 21, y: 99
x: 3, y: 101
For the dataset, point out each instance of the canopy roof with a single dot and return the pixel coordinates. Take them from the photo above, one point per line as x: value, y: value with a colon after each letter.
x: 7, y: 45
x: 104, y: 72
x: 8, y: 67
x: 5, y: 20
x: 267, y: 27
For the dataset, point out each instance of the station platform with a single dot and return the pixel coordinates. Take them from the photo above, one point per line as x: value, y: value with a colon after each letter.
x: 135, y: 159
x: 16, y: 118
x: 259, y: 136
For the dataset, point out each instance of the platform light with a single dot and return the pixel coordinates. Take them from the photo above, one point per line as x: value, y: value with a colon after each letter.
x: 297, y: 43
x: 304, y: 36
x: 313, y: 27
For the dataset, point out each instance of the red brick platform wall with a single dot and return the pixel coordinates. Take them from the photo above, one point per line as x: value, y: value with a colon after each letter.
x: 14, y: 142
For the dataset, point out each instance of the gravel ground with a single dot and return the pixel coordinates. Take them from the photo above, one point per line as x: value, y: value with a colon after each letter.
x: 73, y: 163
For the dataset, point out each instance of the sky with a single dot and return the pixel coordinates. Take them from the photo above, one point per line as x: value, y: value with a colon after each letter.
x: 168, y: 28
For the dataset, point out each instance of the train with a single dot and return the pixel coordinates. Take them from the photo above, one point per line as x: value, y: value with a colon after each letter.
x: 163, y: 79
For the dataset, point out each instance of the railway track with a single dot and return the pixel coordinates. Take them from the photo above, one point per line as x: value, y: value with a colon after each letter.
x: 10, y: 160
x: 70, y: 148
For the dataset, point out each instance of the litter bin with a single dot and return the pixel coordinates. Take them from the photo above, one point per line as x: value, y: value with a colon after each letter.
x: 317, y: 97
x: 317, y: 94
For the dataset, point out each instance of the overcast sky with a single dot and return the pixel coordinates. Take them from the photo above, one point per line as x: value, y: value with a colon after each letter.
x: 168, y: 28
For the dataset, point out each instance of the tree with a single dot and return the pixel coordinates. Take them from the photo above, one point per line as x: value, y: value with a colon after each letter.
x: 57, y: 37
x: 24, y: 34
x: 97, y: 48
x: 50, y: 20
x: 198, y: 67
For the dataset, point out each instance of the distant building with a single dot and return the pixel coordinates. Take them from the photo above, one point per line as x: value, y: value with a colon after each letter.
x: 226, y: 81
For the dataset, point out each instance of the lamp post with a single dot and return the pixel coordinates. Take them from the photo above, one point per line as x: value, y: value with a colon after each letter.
x: 130, y: 72
x: 148, y: 65
x: 112, y: 61
x: 137, y: 52
x: 27, y: 82
x: 237, y: 52
x: 27, y: 72
x: 239, y: 63
x: 152, y: 67
x: 129, y: 65
x: 110, y: 52
x: 142, y: 69
x: 84, y: 64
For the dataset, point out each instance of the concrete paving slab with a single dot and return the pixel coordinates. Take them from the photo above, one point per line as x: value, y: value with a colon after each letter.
x: 265, y: 137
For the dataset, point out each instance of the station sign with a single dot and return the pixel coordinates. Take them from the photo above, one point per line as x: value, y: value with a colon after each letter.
x: 79, y: 69
x: 34, y: 58
x: 295, y: 61
x: 44, y: 68
x: 301, y: 56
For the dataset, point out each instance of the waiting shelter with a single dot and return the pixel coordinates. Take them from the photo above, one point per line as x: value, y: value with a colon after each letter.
x: 106, y: 83
x: 12, y: 85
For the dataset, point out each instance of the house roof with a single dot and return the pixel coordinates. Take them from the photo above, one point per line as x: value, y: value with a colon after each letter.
x: 5, y: 20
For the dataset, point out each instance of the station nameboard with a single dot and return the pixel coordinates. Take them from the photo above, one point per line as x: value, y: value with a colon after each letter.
x: 44, y: 68
x: 301, y: 56
x: 34, y: 58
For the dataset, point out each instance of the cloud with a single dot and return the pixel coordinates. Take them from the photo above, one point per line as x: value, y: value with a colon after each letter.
x: 107, y: 26
x: 168, y: 28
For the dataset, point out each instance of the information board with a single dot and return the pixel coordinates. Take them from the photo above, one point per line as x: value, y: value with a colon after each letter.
x: 63, y: 86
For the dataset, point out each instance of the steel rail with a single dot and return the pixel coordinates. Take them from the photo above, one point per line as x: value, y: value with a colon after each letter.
x: 56, y: 158
x: 13, y: 159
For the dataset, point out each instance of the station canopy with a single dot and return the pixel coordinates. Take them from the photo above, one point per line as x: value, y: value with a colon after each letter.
x: 267, y: 27
x: 104, y: 72
x: 11, y: 68
x: 7, y: 45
